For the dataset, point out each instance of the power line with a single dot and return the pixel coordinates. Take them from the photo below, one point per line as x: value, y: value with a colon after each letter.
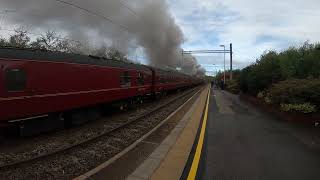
x: 95, y: 14
x: 129, y: 8
x: 206, y: 52
x: 124, y: 4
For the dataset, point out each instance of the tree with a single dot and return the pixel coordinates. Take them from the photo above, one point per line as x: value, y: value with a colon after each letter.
x: 53, y: 42
x: 75, y: 47
x: 100, y: 52
x: 49, y: 41
x: 3, y: 42
x: 19, y: 39
x: 113, y: 53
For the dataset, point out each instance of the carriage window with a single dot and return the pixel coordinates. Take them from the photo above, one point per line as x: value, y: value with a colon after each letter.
x: 125, y: 79
x: 16, y: 79
x: 140, y: 79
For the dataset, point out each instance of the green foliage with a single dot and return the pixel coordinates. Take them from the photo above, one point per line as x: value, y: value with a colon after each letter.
x: 113, y: 53
x: 273, y: 67
x: 268, y: 100
x: 261, y: 74
x: 52, y: 42
x: 244, y: 79
x: 304, y: 108
x: 261, y: 94
x: 19, y: 39
x: 296, y: 91
x: 3, y: 42
x: 300, y: 62
x: 233, y: 86
x: 235, y: 75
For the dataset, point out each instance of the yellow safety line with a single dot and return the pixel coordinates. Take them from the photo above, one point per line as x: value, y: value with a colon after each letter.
x: 196, y: 159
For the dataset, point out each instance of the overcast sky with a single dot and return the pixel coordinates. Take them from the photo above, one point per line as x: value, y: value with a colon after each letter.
x: 253, y: 26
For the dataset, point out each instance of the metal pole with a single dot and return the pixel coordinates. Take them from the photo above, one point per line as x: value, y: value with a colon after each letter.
x: 181, y: 59
x: 224, y: 63
x: 230, y: 61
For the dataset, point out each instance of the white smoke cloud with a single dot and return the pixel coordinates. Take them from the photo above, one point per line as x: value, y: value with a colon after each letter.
x: 191, y: 66
x: 138, y: 23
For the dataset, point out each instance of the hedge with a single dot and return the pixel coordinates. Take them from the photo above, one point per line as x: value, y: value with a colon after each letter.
x: 273, y: 67
x: 296, y: 91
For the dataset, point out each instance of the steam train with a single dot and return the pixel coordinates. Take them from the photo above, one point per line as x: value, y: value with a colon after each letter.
x: 46, y: 85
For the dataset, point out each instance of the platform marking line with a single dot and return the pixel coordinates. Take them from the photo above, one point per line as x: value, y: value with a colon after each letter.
x: 196, y: 159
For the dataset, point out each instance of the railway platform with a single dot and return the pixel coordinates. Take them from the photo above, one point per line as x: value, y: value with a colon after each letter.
x: 153, y: 153
x: 216, y: 136
x: 242, y: 142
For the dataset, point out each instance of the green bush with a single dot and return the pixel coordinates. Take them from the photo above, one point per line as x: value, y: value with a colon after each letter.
x: 261, y: 94
x: 304, y: 108
x: 296, y: 91
x: 261, y: 74
x: 233, y: 87
x: 268, y: 100
x: 273, y: 67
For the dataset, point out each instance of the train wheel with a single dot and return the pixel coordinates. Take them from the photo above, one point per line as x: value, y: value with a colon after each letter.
x: 126, y: 106
x: 139, y: 100
x: 121, y: 107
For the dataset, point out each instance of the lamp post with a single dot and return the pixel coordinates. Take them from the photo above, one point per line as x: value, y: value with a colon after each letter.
x: 224, y: 63
x: 181, y: 64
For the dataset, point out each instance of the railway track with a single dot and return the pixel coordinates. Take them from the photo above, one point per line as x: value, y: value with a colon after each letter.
x: 115, y: 139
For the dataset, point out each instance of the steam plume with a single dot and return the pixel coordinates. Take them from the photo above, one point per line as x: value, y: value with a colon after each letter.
x: 144, y: 23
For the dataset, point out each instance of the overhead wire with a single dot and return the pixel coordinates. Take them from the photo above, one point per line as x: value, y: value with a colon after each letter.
x: 95, y: 14
x: 129, y: 8
x: 124, y: 28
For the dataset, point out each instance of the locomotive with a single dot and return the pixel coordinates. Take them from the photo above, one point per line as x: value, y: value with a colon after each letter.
x: 37, y: 84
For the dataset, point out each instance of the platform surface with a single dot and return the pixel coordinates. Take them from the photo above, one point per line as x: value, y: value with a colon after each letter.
x: 244, y: 143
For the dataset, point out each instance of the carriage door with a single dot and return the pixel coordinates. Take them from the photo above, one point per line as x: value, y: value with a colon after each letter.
x: 153, y: 83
